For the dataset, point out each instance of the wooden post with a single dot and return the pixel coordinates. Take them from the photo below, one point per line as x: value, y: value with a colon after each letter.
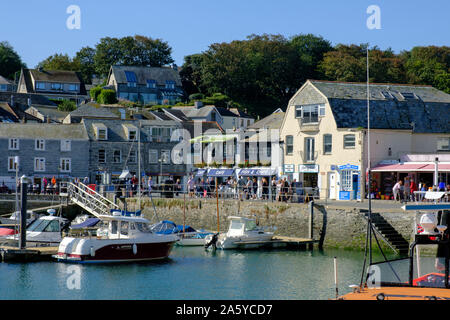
x: 184, y: 213
x: 311, y: 223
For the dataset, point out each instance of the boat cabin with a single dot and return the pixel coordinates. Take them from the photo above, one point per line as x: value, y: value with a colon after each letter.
x: 122, y: 227
x: 240, y: 225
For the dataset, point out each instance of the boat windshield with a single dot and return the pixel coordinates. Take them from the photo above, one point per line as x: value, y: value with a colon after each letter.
x: 236, y: 225
x: 250, y: 225
x: 39, y: 225
x: 143, y: 227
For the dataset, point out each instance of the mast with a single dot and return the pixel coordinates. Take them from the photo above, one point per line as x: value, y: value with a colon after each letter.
x: 139, y: 166
x: 369, y: 189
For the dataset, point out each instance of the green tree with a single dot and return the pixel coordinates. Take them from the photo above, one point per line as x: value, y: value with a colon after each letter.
x: 10, y: 61
x: 107, y: 96
x: 59, y: 61
x: 85, y: 59
x: 95, y: 92
x: 191, y: 74
x: 67, y: 105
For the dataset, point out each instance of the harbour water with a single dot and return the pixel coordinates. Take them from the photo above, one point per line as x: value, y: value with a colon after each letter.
x: 189, y: 274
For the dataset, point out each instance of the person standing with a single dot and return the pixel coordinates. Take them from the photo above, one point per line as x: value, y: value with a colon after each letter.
x: 407, y: 189
x: 396, y: 190
x: 241, y: 187
x: 273, y: 188
x: 412, y: 189
x: 149, y: 185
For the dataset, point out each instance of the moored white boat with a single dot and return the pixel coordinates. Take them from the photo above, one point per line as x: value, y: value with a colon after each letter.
x: 123, y: 239
x: 243, y: 233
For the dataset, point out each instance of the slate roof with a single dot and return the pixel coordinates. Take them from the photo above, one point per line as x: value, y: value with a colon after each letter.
x: 43, y: 131
x: 422, y: 109
x: 241, y: 113
x: 272, y: 121
x: 22, y: 98
x: 49, y: 112
x: 160, y: 115
x: 177, y: 113
x: 92, y: 110
x: 160, y: 74
x: 16, y: 113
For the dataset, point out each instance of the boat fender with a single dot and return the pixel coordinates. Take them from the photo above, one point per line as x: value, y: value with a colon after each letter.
x: 92, y: 252
x: 380, y: 297
x: 134, y: 249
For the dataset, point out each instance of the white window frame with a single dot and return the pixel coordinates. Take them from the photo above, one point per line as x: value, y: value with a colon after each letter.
x: 291, y: 145
x: 325, y: 144
x: 102, y: 136
x: 12, y: 161
x: 153, y: 156
x: 310, y: 152
x: 66, y: 145
x: 39, y: 164
x: 133, y: 156
x: 120, y: 156
x: 65, y: 164
x: 354, y: 141
x: 441, y: 143
x: 13, y: 144
x: 39, y: 145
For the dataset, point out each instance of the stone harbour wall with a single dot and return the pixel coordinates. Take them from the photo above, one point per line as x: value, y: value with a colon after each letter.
x: 336, y: 227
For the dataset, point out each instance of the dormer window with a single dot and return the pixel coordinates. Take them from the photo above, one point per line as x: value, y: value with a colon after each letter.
x: 151, y: 83
x: 387, y: 95
x: 408, y: 95
x: 131, y: 78
x: 170, y: 84
x: 310, y: 113
x: 132, y: 135
x: 57, y: 86
x: 100, y: 131
x: 40, y: 85
x: 102, y: 134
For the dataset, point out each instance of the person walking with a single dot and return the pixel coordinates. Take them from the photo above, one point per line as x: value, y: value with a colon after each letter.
x: 149, y: 185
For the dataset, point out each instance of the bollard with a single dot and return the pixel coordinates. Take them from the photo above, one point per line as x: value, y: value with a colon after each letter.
x: 23, y: 212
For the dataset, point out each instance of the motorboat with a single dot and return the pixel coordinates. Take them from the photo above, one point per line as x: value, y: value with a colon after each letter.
x: 122, y: 238
x: 15, y: 216
x: 45, y: 231
x: 187, y: 236
x: 243, y: 233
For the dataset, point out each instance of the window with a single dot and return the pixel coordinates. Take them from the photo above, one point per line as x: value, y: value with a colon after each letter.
x: 73, y: 87
x: 309, y: 149
x: 133, y: 156
x: 387, y: 95
x: 65, y: 145
x: 170, y: 84
x: 39, y: 164
x: 327, y: 143
x: 349, y: 141
x: 310, y: 114
x: 3, y: 87
x: 161, y: 134
x: 101, y: 156
x: 151, y: 83
x: 117, y: 156
x: 131, y: 78
x: 153, y: 156
x: 13, y: 144
x: 132, y: 135
x: 102, y: 134
x: 65, y: 164
x: 298, y: 112
x: 165, y: 156
x: 289, y: 145
x: 40, y: 85
x: 124, y: 228
x: 408, y: 95
x: 57, y: 86
x: 40, y: 144
x: 321, y: 110
x: 443, y: 144
x: 13, y: 162
x: 347, y: 182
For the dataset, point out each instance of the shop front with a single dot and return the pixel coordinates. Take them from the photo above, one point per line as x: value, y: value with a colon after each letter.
x: 344, y: 182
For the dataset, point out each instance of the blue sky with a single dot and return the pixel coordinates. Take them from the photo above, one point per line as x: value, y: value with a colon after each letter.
x: 37, y: 29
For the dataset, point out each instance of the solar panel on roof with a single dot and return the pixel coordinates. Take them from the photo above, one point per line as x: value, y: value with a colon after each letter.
x: 131, y: 76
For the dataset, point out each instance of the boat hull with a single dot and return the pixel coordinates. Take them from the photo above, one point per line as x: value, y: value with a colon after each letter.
x: 399, y: 293
x: 244, y: 242
x: 107, y: 251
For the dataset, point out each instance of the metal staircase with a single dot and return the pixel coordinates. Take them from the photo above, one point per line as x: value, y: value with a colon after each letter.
x: 90, y: 200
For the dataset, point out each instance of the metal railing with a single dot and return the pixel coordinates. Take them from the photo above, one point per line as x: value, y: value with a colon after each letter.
x: 90, y: 200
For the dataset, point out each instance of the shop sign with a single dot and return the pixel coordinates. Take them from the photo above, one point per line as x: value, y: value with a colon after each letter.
x: 348, y: 167
x: 308, y: 168
x: 289, y: 168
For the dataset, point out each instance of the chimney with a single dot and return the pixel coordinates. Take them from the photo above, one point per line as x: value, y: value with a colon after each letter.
x: 198, y: 104
x: 122, y: 114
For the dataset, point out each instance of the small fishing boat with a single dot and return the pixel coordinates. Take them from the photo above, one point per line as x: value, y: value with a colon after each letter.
x: 122, y: 238
x: 45, y: 231
x: 243, y: 233
x: 187, y: 236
